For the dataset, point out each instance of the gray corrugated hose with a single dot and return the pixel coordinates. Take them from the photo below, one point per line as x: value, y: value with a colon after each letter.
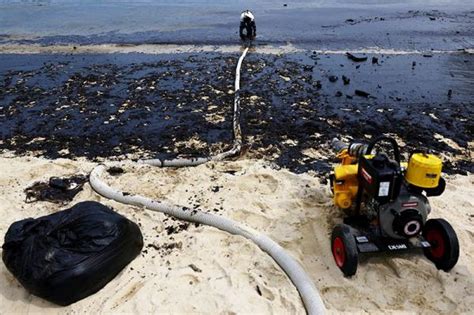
x: 303, y: 283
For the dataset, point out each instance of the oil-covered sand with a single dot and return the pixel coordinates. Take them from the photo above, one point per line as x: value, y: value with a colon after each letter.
x: 135, y: 105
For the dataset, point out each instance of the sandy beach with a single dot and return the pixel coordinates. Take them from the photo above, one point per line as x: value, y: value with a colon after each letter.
x: 189, y: 269
x: 84, y: 83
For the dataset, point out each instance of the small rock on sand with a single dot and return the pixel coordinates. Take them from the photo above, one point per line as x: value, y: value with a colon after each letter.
x: 361, y: 93
x: 356, y: 58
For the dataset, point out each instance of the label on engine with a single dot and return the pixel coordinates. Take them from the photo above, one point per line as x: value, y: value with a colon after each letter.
x: 384, y: 189
x: 367, y: 176
x: 397, y: 246
x: 362, y: 239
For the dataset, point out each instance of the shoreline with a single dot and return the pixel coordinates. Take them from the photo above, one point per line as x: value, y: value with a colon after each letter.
x: 185, y: 48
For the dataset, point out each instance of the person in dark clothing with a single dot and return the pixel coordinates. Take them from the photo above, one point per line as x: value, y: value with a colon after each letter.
x: 247, y: 24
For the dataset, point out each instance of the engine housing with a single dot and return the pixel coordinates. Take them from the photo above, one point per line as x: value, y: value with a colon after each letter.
x: 405, y: 216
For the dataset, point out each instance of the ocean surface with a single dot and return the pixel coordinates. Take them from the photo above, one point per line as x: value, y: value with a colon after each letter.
x: 336, y: 24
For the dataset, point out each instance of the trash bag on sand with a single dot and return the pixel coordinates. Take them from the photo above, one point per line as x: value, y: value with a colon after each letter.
x: 71, y: 254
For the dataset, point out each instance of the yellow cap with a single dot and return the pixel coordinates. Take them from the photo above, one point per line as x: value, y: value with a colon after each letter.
x: 424, y: 170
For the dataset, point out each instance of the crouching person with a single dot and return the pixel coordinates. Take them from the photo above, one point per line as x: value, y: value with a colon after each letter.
x: 248, y: 29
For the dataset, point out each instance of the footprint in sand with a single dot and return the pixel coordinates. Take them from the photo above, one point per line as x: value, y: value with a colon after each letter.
x: 131, y: 291
x: 262, y: 184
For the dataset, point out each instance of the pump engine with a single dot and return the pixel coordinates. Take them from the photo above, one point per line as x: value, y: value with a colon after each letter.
x: 388, y: 205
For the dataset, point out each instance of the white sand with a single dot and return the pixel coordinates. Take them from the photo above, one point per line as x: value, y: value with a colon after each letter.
x: 295, y: 210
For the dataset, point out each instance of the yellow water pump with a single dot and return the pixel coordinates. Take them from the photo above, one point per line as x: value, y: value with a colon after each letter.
x: 395, y: 208
x: 422, y: 171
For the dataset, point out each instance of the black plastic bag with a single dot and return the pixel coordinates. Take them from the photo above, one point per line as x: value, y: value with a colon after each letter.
x: 71, y: 254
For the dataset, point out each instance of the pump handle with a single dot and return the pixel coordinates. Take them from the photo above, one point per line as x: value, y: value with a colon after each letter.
x: 396, y: 150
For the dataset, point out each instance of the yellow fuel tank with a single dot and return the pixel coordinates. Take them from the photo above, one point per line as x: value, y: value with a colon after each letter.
x: 424, y: 170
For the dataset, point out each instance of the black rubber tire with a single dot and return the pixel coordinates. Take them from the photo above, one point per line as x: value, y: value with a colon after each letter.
x: 345, y: 256
x: 444, y: 252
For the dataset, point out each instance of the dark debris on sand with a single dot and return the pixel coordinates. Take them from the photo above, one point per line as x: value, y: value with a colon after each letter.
x: 79, y: 107
x: 57, y: 189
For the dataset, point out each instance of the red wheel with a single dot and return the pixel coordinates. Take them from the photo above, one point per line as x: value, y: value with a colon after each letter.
x: 444, y: 250
x: 344, y: 249
x: 338, y: 252
x: 437, y: 242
